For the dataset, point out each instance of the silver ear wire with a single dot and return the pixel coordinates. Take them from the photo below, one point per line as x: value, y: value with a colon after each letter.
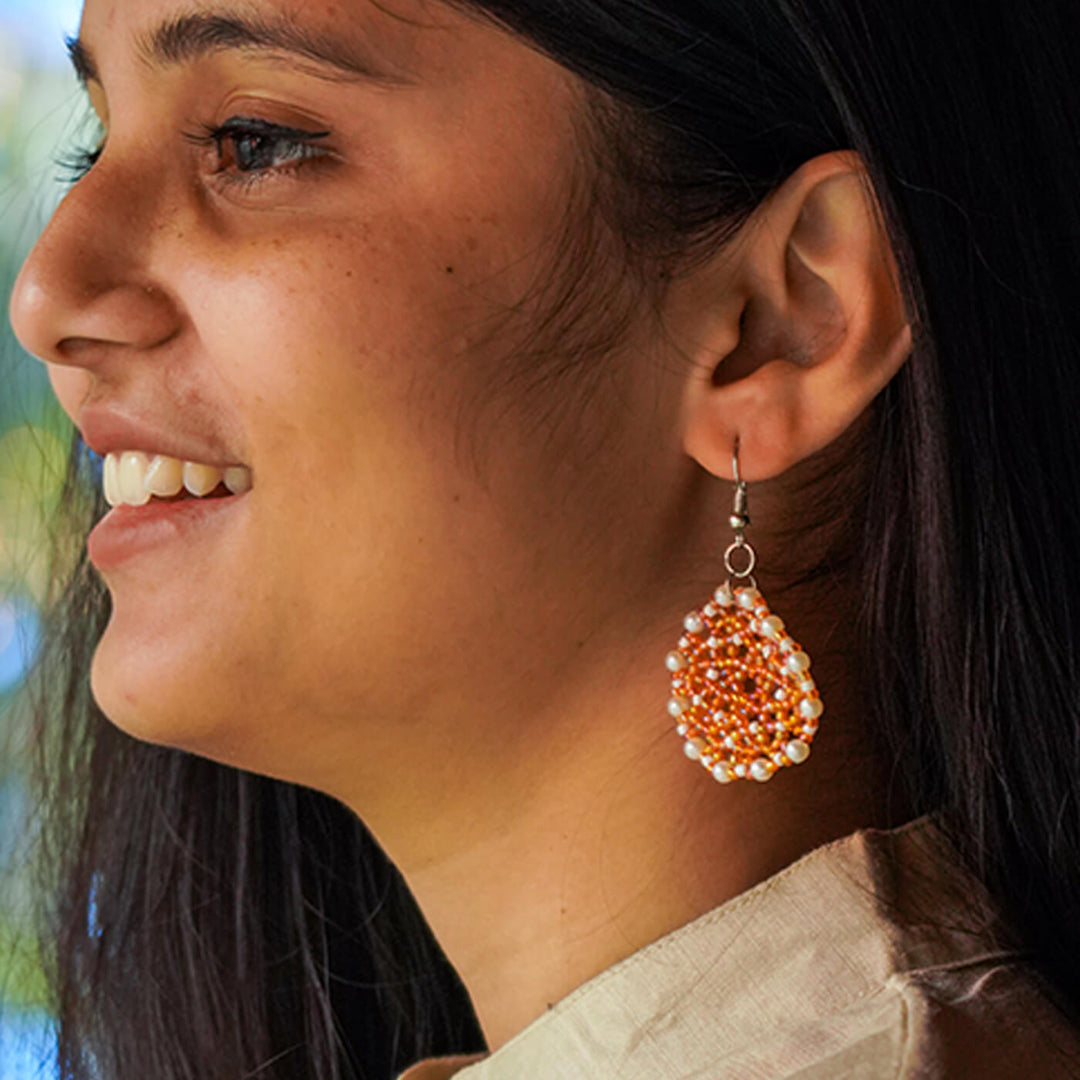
x: 740, y: 518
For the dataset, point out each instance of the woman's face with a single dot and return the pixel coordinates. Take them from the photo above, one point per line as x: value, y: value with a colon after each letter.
x: 374, y: 312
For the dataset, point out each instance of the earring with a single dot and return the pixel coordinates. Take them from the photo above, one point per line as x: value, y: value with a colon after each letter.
x: 741, y: 690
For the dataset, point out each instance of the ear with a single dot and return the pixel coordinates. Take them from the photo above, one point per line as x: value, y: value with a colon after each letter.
x: 796, y: 326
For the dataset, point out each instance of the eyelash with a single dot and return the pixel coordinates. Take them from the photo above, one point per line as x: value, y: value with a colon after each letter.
x: 250, y: 132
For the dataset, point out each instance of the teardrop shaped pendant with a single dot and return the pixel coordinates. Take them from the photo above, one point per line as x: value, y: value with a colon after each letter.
x: 741, y: 690
x: 742, y: 694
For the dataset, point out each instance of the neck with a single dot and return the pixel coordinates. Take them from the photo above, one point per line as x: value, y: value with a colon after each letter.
x: 606, y: 838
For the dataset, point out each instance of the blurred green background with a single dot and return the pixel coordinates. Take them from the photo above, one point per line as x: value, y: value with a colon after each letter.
x: 41, y: 114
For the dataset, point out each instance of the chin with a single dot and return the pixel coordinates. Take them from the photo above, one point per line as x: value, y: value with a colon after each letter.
x: 148, y: 693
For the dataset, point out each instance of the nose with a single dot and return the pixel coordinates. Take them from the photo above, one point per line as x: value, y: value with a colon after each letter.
x: 84, y: 290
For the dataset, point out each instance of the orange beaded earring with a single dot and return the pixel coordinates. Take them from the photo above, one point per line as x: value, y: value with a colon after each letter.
x: 741, y: 690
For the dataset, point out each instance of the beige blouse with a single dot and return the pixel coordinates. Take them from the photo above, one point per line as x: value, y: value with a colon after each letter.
x: 873, y: 956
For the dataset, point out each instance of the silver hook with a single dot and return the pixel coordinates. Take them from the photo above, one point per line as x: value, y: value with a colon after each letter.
x: 740, y: 518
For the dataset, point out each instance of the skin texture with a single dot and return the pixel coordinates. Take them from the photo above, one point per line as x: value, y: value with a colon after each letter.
x: 448, y: 596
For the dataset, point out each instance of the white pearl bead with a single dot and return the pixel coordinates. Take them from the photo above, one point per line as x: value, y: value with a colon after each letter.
x: 729, y: 741
x: 674, y: 661
x: 713, y: 642
x: 676, y: 706
x: 761, y: 770
x: 787, y: 644
x: 779, y: 758
x: 682, y: 729
x: 797, y: 661
x: 706, y: 761
x: 811, y: 707
x: 709, y: 609
x: 693, y: 623
x: 807, y: 684
x: 780, y: 695
x: 739, y: 770
x: 754, y: 728
x: 723, y: 596
x: 772, y: 626
x: 722, y: 772
x: 712, y: 673
x: 748, y: 597
x: 797, y: 750
x: 810, y: 727
x: 693, y: 748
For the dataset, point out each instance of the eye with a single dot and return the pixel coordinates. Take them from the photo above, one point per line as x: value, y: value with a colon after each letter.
x: 248, y: 149
x: 255, y: 148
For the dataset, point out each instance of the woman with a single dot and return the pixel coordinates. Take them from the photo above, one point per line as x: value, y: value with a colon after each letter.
x: 451, y: 364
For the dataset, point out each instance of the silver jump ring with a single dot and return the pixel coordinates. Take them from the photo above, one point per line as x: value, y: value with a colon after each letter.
x: 739, y: 542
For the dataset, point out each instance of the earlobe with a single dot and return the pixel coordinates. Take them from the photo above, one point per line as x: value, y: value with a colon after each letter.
x: 814, y: 326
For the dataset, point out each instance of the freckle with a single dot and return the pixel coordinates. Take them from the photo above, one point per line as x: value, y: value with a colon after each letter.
x: 348, y: 273
x: 449, y: 269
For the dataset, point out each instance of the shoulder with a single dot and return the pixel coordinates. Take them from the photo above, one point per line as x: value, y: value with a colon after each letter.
x: 986, y: 1018
x: 906, y: 972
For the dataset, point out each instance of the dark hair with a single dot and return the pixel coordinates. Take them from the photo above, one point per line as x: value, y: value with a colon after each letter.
x: 211, y: 923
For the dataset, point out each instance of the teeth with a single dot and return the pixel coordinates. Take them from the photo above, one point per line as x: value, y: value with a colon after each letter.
x: 165, y: 476
x: 132, y: 478
x: 132, y: 473
x: 238, y: 479
x: 110, y: 481
x: 200, y: 479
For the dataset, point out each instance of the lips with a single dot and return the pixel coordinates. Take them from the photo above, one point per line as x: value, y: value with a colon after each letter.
x: 169, y: 532
x: 108, y: 429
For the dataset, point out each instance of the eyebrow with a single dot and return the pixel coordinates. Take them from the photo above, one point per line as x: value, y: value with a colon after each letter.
x: 187, y: 38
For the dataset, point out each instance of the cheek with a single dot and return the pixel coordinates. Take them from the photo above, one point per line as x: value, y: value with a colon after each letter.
x: 324, y: 333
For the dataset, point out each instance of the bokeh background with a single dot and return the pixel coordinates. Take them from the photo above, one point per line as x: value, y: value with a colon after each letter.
x: 42, y: 112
